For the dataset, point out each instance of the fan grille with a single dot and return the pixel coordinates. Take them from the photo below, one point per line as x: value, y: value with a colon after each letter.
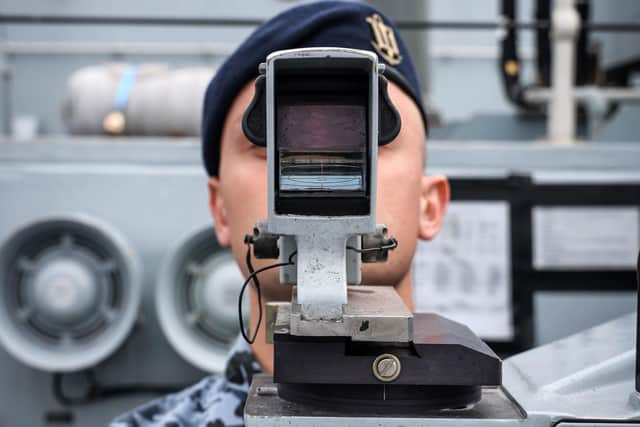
x: 70, y: 288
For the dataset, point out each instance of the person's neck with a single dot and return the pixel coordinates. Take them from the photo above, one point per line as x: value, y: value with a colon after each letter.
x: 263, y: 352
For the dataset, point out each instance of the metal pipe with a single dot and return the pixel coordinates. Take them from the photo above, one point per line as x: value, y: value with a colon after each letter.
x: 127, y: 20
x: 206, y: 49
x: 115, y: 48
x: 638, y: 327
x: 586, y: 93
x: 561, y: 120
x: 234, y: 22
x: 5, y: 95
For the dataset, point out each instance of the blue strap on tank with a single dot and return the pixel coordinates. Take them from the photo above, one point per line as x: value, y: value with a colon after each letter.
x: 125, y: 86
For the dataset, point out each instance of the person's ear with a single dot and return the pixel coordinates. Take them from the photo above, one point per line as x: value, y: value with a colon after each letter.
x: 434, y: 200
x: 219, y: 212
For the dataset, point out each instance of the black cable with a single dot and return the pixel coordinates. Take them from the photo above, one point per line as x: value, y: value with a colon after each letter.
x: 257, y: 285
x: 254, y: 276
x: 59, y: 394
x: 391, y: 246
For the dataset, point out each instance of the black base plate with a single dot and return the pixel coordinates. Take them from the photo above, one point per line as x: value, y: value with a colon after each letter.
x: 381, y: 399
x: 442, y: 353
x: 444, y: 366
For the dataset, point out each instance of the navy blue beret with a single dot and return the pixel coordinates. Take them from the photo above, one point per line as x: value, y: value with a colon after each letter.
x: 321, y: 24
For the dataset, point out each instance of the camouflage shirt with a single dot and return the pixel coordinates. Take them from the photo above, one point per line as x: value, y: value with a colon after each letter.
x: 216, y: 401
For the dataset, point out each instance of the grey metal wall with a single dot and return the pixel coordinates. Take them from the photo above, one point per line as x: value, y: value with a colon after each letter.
x: 155, y: 194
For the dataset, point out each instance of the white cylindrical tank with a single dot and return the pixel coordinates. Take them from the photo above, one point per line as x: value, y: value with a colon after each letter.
x: 161, y: 101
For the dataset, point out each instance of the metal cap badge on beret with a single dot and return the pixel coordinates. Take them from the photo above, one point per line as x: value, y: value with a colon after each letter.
x: 321, y: 24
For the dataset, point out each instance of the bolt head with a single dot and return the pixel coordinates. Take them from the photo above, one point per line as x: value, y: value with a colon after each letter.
x: 386, y: 367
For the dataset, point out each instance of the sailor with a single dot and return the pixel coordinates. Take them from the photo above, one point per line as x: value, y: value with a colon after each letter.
x: 410, y: 203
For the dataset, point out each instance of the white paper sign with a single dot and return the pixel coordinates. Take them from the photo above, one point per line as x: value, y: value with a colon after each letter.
x: 585, y: 238
x: 465, y: 272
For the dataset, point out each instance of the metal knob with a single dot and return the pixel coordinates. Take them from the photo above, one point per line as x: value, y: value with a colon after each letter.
x: 386, y: 367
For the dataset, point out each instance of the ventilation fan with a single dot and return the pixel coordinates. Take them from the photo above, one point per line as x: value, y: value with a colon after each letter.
x: 197, y: 300
x: 70, y: 293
